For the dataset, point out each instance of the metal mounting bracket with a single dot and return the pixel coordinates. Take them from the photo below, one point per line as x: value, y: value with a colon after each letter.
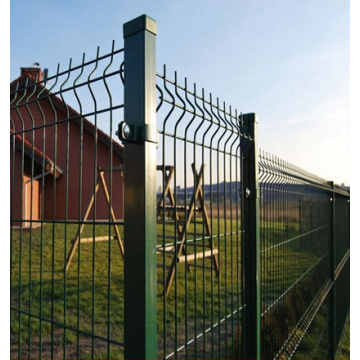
x: 129, y: 133
x: 251, y: 193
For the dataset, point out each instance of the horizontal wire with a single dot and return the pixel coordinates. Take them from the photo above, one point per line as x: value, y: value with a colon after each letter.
x: 70, y: 222
x: 304, y: 322
x: 294, y: 238
x: 186, y: 140
x: 202, y: 238
x: 213, y: 326
x: 75, y: 118
x: 291, y: 286
x: 60, y: 91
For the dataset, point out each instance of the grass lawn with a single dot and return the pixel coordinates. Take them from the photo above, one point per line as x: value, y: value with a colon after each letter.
x: 344, y: 352
x: 90, y: 296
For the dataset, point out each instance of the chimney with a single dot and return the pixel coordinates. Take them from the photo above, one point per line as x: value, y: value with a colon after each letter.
x: 35, y: 72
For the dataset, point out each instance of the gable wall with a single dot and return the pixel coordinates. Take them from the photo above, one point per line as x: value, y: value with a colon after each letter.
x: 73, y: 150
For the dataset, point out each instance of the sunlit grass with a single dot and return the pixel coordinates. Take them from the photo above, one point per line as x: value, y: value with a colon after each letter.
x: 90, y: 296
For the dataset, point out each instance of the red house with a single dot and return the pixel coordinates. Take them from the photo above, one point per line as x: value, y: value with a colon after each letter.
x: 55, y: 154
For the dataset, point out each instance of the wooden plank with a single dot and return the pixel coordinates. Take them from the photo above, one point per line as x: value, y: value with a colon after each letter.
x: 75, y: 243
x: 118, y: 236
x: 199, y: 255
x: 170, y: 251
x: 177, y: 208
x: 98, y: 238
x: 77, y: 239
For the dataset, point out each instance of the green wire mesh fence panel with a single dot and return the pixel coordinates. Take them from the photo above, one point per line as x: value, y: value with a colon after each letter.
x: 295, y: 225
x: 66, y: 210
x: 200, y: 275
x: 296, y: 257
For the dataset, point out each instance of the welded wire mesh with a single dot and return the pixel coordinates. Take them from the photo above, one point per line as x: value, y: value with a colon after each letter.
x: 296, y: 255
x: 66, y: 220
x: 61, y: 141
x: 199, y: 222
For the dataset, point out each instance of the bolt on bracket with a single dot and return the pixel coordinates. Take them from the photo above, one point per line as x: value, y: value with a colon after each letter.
x: 129, y: 133
x: 251, y: 193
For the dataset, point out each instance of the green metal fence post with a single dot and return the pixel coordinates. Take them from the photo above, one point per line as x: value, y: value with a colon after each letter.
x: 251, y: 256
x: 139, y: 135
x: 332, y: 317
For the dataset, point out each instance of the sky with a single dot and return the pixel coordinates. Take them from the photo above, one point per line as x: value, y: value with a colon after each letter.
x: 286, y: 60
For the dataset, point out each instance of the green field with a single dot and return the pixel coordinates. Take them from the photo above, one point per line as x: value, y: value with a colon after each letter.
x: 90, y: 296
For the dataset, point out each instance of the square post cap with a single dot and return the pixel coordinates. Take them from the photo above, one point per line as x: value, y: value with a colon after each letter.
x: 138, y: 24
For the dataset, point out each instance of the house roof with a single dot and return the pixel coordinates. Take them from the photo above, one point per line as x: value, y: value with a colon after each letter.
x: 60, y: 105
x: 35, y: 153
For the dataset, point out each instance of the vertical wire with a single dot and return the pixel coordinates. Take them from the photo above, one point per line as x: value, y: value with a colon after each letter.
x: 54, y: 218
x: 230, y: 232
x: 273, y: 242
x: 287, y: 235
x: 275, y: 259
x: 187, y: 92
x: 208, y: 226
x: 195, y: 236
x: 31, y: 210
x: 163, y: 222
x: 231, y: 156
x: 180, y: 118
x: 42, y: 220
x: 262, y: 246
x: 262, y: 209
x: 67, y: 144
x: 12, y: 180
x: 202, y: 171
x: 225, y: 242
x: 175, y: 229
x: 272, y: 220
x: 197, y: 174
x: 163, y: 201
x: 226, y: 235
x: 203, y: 225
x: 212, y: 220
x: 162, y: 225
x: 238, y: 238
x: 211, y: 227
x: 95, y: 203
x: 241, y: 145
x: 276, y: 248
x: 163, y: 172
x: 283, y: 232
x: 218, y: 222
x: 185, y: 221
x: 279, y: 246
x: 110, y: 195
x: 21, y: 210
x: 267, y: 267
x: 81, y: 145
